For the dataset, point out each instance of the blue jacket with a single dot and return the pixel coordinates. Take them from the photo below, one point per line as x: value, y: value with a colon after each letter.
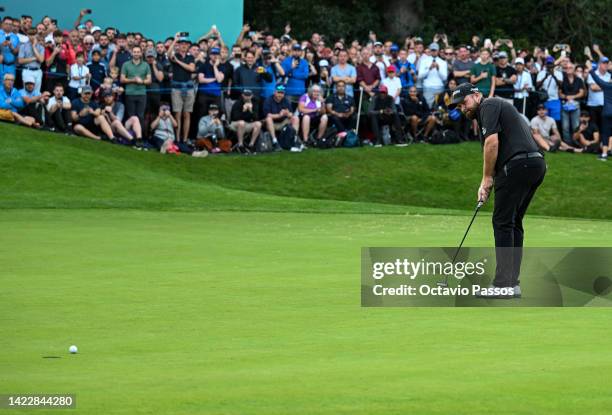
x: 296, y: 78
x: 268, y: 87
x: 606, y: 88
x: 16, y: 100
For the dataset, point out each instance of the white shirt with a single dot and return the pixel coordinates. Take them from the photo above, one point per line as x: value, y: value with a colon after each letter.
x: 549, y: 84
x: 596, y: 98
x: 394, y: 87
x: 432, y: 78
x: 522, y: 79
x: 81, y: 72
x: 53, y: 101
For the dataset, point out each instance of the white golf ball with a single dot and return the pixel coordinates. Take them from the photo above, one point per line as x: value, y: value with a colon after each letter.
x: 73, y: 349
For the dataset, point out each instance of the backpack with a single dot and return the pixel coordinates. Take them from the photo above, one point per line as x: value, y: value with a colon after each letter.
x: 286, y: 138
x: 444, y: 137
x: 264, y: 143
x: 325, y: 142
x: 351, y: 139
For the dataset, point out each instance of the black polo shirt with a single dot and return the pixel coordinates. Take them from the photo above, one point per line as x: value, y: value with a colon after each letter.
x: 179, y: 74
x: 505, y: 90
x: 340, y: 104
x: 122, y: 57
x: 514, y: 134
x: 571, y: 88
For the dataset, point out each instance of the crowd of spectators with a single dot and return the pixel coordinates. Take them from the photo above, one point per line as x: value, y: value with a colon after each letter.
x: 268, y: 91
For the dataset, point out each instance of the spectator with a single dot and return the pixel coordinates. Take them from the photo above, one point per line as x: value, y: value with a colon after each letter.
x: 571, y: 92
x: 482, y: 74
x: 59, y: 57
x: 34, y: 102
x: 312, y: 111
x: 595, y: 100
x: 296, y: 70
x: 163, y: 128
x: 393, y: 84
x: 121, y: 54
x: 30, y: 58
x: 368, y: 75
x: 606, y: 114
x: 9, y: 47
x: 407, y: 71
x: 244, y: 120
x: 341, y: 108
x: 433, y: 72
x: 250, y: 75
x: 210, y: 78
x: 275, y: 70
x: 462, y: 66
x: 58, y: 109
x: 505, y: 78
x: 545, y: 133
x: 277, y: 110
x: 211, y: 126
x: 419, y: 114
x: 87, y: 118
x: 380, y: 59
x: 550, y: 80
x: 182, y: 93
x: 154, y: 90
x: 114, y: 112
x: 522, y: 87
x: 382, y: 111
x: 343, y: 71
x: 587, y: 134
x: 79, y: 76
x: 97, y: 69
x: 136, y: 75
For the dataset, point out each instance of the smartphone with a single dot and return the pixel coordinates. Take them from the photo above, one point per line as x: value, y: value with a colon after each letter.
x: 251, y: 33
x: 88, y: 11
x: 184, y: 34
x: 2, y: 9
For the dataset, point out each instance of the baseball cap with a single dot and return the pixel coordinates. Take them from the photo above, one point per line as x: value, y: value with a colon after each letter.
x: 49, y: 39
x: 280, y: 88
x: 434, y: 46
x: 106, y: 93
x: 95, y: 29
x: 183, y: 39
x: 28, y: 79
x: 296, y: 46
x: 519, y: 61
x: 215, y: 51
x: 391, y: 68
x: 323, y: 62
x: 462, y: 91
x: 383, y: 88
x: 394, y: 48
x: 285, y: 38
x: 541, y: 107
x: 66, y: 33
x: 86, y: 89
x: 247, y: 92
x: 604, y: 59
x: 96, y: 50
x: 550, y: 59
x: 502, y: 54
x: 150, y: 53
x: 213, y: 107
x: 377, y: 43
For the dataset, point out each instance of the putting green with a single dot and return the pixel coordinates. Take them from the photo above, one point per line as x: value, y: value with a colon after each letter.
x: 259, y: 313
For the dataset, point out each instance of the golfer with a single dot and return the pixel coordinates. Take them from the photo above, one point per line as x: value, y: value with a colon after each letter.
x: 512, y: 166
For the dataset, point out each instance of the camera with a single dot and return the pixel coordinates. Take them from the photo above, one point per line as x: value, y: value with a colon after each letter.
x: 88, y: 11
x: 184, y: 34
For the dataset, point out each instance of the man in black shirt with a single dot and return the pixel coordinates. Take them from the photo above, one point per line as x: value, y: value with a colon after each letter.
x: 183, y: 92
x: 382, y: 111
x: 587, y: 134
x: 514, y: 167
x: 245, y: 120
x: 505, y: 77
x: 341, y: 108
x: 418, y: 113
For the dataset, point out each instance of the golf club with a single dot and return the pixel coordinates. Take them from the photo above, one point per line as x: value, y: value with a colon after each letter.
x: 478, y: 206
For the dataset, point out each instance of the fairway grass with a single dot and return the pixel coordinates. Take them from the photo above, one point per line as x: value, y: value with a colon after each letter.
x: 259, y: 313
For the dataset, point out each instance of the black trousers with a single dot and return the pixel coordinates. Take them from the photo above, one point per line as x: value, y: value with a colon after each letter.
x: 515, y: 187
x: 135, y: 105
x: 342, y: 124
x: 378, y: 120
x: 59, y: 120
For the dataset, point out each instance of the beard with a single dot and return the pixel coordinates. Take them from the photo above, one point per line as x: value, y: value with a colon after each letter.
x: 470, y: 114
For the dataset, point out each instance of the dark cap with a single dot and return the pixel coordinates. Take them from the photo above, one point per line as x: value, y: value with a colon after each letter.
x: 86, y: 89
x: 462, y: 91
x: 213, y: 107
x: 296, y: 46
x: 106, y: 93
x: 247, y: 92
x: 541, y: 107
x: 215, y: 51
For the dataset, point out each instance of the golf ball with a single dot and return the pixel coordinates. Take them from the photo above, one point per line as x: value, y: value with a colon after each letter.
x: 73, y: 349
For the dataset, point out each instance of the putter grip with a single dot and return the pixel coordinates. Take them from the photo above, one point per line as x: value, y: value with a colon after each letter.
x: 479, y: 205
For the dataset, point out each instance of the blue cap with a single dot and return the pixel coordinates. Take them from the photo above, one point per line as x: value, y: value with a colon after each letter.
x: 296, y: 46
x: 550, y: 59
x: 394, y: 48
x: 215, y: 51
x: 604, y: 59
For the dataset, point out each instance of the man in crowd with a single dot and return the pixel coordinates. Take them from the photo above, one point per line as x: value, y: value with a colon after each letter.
x: 97, y: 69
x: 368, y: 75
x: 11, y: 102
x: 545, y: 133
x: 182, y: 94
x: 606, y: 114
x: 296, y: 69
x: 550, y: 79
x: 383, y: 111
x: 249, y: 75
x: 59, y: 57
x: 114, y: 112
x: 277, y: 110
x: 482, y: 74
x: 419, y: 114
x: 462, y: 66
x: 210, y: 126
x: 522, y: 87
x: 433, y: 72
x: 121, y: 54
x: 9, y: 48
x: 341, y: 108
x: 210, y: 78
x: 505, y: 78
x: 407, y: 72
x: 87, y: 118
x: 136, y: 75
x: 595, y: 100
x: 155, y: 89
x: 587, y: 134
x: 571, y: 92
x: 34, y: 102
x: 31, y: 57
x: 58, y: 110
x: 344, y: 72
x: 245, y: 120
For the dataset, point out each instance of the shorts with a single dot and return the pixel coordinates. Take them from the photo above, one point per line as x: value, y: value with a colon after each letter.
x: 182, y: 100
x: 247, y: 129
x: 281, y: 124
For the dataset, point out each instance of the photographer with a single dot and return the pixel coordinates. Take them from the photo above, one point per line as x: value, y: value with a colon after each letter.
x: 121, y: 54
x: 550, y: 80
x: 58, y: 110
x: 297, y: 70
x: 9, y: 48
x: 30, y: 58
x: 59, y: 56
x: 211, y: 127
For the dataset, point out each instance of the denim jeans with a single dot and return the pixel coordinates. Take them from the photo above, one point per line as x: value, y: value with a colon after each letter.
x: 569, y: 123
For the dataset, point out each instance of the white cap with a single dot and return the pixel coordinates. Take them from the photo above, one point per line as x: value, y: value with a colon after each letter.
x: 95, y: 29
x: 49, y: 38
x: 519, y: 60
x: 323, y: 62
x: 29, y: 79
